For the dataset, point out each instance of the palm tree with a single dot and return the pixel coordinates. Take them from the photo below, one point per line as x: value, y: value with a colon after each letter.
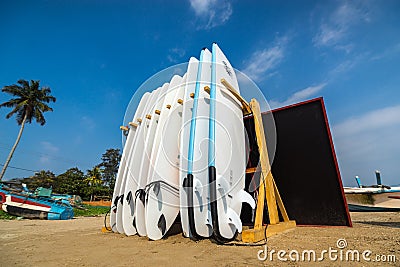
x: 29, y: 103
x: 93, y: 179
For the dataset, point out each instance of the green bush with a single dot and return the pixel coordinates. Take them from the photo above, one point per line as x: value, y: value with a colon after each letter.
x: 5, y: 216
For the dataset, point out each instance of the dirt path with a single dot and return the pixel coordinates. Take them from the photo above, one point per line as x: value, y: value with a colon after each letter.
x: 79, y: 242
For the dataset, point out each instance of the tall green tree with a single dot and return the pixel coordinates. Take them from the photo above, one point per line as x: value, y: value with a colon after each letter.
x: 71, y: 182
x: 93, y: 180
x: 42, y: 178
x: 29, y: 102
x: 109, y: 166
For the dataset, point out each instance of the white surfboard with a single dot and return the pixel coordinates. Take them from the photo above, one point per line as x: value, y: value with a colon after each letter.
x: 227, y: 154
x: 126, y: 217
x: 184, y: 135
x: 124, y: 157
x: 125, y: 198
x: 202, y: 215
x: 162, y: 199
x: 145, y: 161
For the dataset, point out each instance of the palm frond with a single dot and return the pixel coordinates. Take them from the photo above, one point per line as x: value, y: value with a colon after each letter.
x: 21, y: 116
x: 30, y: 101
x: 14, y: 90
x: 34, y: 85
x: 39, y: 117
x: 9, y: 115
x: 24, y: 83
x: 9, y: 104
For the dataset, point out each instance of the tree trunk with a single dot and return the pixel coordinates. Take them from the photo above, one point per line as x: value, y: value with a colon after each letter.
x: 14, y: 147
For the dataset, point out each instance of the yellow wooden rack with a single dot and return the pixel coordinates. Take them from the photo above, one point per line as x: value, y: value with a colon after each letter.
x: 267, y: 190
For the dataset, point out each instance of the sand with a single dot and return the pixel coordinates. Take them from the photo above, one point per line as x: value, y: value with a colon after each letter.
x: 80, y: 242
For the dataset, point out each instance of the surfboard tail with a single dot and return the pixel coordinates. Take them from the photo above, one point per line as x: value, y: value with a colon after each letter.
x: 212, y: 174
x: 188, y: 186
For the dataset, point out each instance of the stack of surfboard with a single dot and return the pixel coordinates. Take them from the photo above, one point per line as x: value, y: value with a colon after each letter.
x: 185, y: 155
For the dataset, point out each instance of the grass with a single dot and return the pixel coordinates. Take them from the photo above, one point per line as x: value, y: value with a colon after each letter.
x: 90, y: 211
x: 5, y: 216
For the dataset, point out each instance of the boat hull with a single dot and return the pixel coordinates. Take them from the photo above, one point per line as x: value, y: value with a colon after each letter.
x: 30, y: 207
x: 374, y: 199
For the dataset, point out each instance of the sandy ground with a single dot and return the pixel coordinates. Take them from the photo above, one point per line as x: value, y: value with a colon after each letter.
x: 80, y: 242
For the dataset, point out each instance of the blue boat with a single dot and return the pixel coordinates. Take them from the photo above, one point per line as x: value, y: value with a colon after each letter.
x: 377, y: 197
x: 19, y: 201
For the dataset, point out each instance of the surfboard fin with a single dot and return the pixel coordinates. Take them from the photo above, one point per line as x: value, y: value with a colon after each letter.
x: 222, y: 184
x: 162, y: 224
x: 129, y: 197
x: 209, y: 219
x: 234, y: 219
x: 223, y: 188
x: 116, y: 201
x: 242, y: 197
x: 198, y: 186
x: 141, y: 194
x: 156, y: 188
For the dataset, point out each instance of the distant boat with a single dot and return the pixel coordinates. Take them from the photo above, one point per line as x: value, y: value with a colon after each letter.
x: 19, y: 201
x: 377, y: 197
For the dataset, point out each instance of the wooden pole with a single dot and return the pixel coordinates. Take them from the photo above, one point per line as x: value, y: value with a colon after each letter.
x: 266, y: 180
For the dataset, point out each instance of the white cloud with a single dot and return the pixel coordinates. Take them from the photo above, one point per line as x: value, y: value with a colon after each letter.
x: 175, y: 54
x: 201, y: 6
x: 387, y: 53
x: 329, y: 34
x: 336, y: 28
x: 299, y: 96
x: 347, y: 65
x: 211, y: 13
x: 87, y: 122
x: 343, y: 67
x: 368, y: 142
x: 262, y: 62
x: 49, y: 149
x: 373, y: 120
x: 179, y: 71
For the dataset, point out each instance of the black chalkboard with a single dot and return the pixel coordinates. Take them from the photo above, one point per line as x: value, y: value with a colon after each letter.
x: 305, y: 168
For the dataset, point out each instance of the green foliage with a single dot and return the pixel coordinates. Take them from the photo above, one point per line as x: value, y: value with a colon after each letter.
x: 98, y: 181
x: 109, y: 166
x: 29, y: 103
x: 91, y: 211
x: 94, y: 181
x: 43, y: 178
x: 5, y: 216
x: 71, y: 182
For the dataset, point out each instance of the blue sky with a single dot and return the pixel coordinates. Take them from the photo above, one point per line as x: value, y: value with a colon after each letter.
x: 95, y: 54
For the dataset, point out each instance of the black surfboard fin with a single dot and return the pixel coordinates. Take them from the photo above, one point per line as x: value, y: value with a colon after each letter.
x: 162, y: 224
x: 129, y: 197
x: 141, y: 194
x: 156, y: 188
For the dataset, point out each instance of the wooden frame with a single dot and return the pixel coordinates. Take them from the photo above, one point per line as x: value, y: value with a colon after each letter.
x: 268, y: 190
